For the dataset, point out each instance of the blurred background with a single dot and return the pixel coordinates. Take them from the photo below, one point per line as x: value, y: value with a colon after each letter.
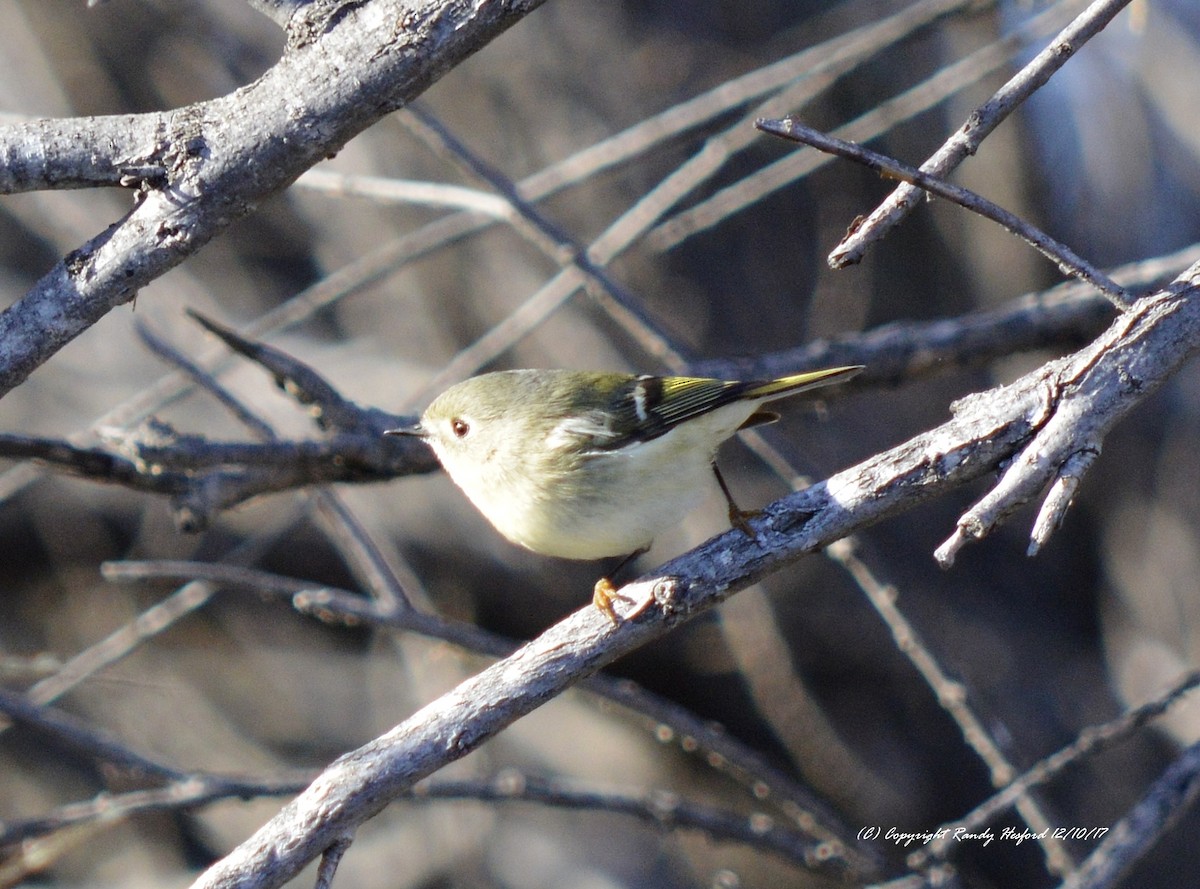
x: 365, y: 288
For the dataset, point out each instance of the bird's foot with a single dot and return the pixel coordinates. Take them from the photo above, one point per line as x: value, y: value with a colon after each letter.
x: 740, y: 519
x: 605, y: 595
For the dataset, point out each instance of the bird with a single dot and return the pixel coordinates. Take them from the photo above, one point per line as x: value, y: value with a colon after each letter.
x: 593, y: 464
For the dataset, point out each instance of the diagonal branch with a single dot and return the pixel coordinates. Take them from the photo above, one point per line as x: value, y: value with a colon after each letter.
x: 966, y: 139
x: 1066, y: 259
x: 1092, y: 390
x: 348, y: 63
x: 1102, y: 382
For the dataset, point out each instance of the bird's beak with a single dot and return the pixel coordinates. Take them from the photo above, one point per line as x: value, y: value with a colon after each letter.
x: 416, y: 430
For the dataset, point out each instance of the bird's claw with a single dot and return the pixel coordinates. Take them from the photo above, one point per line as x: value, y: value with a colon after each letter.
x: 740, y: 519
x: 605, y: 595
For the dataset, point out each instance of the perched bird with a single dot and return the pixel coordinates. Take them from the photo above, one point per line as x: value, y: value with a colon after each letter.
x: 586, y: 465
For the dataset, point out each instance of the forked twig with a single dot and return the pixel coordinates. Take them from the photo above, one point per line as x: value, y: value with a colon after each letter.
x: 1065, y: 258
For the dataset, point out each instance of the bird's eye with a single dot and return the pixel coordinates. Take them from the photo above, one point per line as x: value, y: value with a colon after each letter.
x: 460, y: 427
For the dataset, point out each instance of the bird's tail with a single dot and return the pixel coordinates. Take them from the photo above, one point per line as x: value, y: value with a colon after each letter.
x: 800, y: 382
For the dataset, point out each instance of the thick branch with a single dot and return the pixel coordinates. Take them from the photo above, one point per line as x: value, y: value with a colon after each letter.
x: 361, y: 783
x: 348, y: 63
x: 1093, y: 390
x: 1138, y: 351
x: 80, y: 152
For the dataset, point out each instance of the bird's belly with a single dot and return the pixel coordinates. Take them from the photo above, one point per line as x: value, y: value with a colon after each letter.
x: 641, y: 502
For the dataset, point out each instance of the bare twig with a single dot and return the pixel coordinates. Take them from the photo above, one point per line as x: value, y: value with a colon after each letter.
x: 1131, y: 837
x: 539, y: 230
x: 1090, y: 740
x: 1065, y: 258
x: 882, y: 118
x: 224, y: 156
x: 182, y: 794
x: 1060, y: 497
x: 167, y: 352
x: 330, y: 859
x: 327, y: 406
x: 660, y: 808
x: 362, y: 554
x: 667, y: 721
x: 830, y: 57
x: 966, y: 140
x: 400, y: 191
x: 1092, y: 390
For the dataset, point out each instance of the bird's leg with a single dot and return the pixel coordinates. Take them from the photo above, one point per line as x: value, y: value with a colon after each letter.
x: 606, y: 593
x: 738, y: 518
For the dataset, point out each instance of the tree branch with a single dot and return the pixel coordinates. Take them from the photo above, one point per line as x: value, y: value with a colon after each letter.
x: 966, y: 139
x: 1067, y: 261
x: 1084, y: 394
x: 347, y: 64
x: 1092, y: 390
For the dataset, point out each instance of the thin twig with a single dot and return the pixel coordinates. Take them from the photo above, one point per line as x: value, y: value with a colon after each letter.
x: 1135, y: 834
x: 660, y: 808
x: 1091, y: 740
x: 883, y: 117
x: 966, y: 139
x: 330, y: 859
x: 182, y: 794
x: 1061, y: 255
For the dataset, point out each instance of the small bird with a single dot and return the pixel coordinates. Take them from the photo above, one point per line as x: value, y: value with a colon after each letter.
x: 590, y: 465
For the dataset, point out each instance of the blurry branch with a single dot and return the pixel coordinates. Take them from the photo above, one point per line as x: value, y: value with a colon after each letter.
x: 952, y: 696
x: 204, y: 477
x: 385, y: 189
x: 177, y: 795
x: 378, y: 575
x: 1091, y: 740
x: 577, y: 264
x: 953, y: 78
x: 667, y: 721
x: 966, y: 140
x: 1134, y: 835
x: 1074, y: 399
x: 802, y: 75
x: 835, y: 58
x: 661, y: 808
x: 1068, y: 315
x: 200, y: 168
x: 1066, y: 259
